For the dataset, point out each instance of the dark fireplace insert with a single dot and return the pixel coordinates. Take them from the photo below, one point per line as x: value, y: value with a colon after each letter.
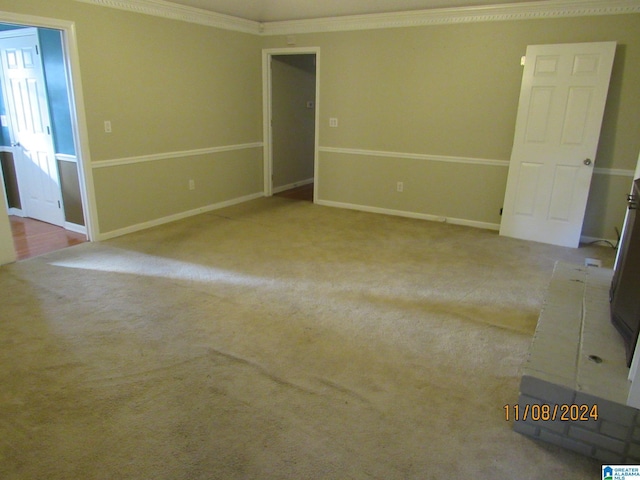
x: 625, y: 285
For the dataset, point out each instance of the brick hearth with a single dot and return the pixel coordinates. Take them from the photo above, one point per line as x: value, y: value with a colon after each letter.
x: 578, y: 358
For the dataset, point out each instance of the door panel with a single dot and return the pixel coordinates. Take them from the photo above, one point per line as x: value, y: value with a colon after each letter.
x: 576, y: 116
x: 527, y: 189
x: 546, y: 65
x: 562, y: 99
x: 562, y: 193
x: 540, y: 110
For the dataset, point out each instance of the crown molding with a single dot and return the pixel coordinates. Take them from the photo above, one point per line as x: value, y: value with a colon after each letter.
x: 542, y: 9
x: 161, y: 8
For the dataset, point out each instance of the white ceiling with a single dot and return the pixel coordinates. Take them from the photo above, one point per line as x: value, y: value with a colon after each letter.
x: 282, y: 10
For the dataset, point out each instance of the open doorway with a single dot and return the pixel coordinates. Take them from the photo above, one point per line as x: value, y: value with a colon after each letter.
x: 41, y: 168
x: 291, y: 120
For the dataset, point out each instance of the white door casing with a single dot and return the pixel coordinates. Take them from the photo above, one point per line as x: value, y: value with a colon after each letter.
x: 78, y: 122
x: 27, y: 105
x: 562, y: 100
x: 267, y: 55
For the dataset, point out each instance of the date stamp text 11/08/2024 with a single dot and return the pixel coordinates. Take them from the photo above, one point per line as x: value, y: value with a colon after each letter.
x: 545, y: 412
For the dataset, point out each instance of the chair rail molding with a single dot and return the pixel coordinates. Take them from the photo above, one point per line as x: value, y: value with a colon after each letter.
x: 173, y: 155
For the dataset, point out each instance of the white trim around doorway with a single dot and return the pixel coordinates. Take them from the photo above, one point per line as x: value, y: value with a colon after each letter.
x: 78, y: 116
x: 266, y: 114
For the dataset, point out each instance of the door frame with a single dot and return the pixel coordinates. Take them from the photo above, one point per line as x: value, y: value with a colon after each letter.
x: 77, y: 108
x: 267, y: 128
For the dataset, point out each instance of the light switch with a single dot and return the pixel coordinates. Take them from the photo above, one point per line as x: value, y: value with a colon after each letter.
x: 107, y: 126
x: 333, y: 122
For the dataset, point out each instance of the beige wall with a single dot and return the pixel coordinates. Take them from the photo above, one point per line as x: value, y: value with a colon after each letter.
x: 453, y: 91
x: 607, y: 200
x: 7, y: 251
x: 169, y: 87
x: 162, y: 186
x: 473, y: 193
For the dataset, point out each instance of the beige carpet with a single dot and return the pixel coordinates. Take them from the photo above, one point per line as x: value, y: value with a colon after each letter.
x: 276, y: 340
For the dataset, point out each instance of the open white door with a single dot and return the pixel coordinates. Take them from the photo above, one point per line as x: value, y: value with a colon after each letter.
x: 562, y: 100
x: 34, y: 153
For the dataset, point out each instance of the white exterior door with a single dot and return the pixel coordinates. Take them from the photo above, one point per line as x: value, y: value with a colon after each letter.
x: 562, y: 100
x: 26, y: 97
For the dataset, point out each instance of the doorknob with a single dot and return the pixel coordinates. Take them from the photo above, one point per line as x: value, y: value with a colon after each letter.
x: 587, y: 161
x: 16, y: 144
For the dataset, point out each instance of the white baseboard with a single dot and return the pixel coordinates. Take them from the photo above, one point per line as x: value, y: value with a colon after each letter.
x: 421, y: 216
x: 74, y: 227
x: 177, y: 216
x: 437, y: 218
x: 16, y: 211
x: 284, y: 188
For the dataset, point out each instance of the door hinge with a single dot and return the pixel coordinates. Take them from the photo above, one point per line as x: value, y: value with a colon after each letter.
x: 59, y: 206
x: 37, y: 52
x: 48, y: 131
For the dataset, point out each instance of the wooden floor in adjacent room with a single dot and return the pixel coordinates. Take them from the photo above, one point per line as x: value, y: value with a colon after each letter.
x: 32, y: 237
x: 304, y: 192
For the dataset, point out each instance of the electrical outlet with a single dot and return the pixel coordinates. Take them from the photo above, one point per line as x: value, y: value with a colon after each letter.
x: 400, y: 187
x: 192, y: 184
